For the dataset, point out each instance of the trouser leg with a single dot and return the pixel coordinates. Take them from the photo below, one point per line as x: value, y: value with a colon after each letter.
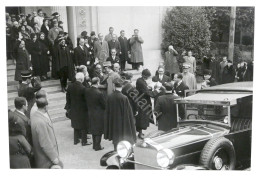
x: 64, y: 77
x: 98, y: 141
x: 84, y: 136
x: 94, y: 141
x: 76, y: 135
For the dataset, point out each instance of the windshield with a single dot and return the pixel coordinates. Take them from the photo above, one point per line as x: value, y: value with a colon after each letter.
x: 200, y: 112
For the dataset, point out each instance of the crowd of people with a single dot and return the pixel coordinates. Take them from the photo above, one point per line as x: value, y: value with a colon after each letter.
x: 101, y: 99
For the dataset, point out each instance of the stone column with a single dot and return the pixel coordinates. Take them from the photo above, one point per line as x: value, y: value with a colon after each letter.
x: 94, y: 19
x: 72, y: 24
x: 63, y: 15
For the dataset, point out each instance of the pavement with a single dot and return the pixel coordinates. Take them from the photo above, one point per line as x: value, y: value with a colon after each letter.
x: 77, y: 156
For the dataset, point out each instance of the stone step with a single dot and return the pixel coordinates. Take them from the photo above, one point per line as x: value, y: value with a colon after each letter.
x: 47, y: 89
x: 9, y: 62
x: 10, y: 73
x: 58, y: 117
x: 10, y: 67
x: 13, y: 88
x: 57, y: 111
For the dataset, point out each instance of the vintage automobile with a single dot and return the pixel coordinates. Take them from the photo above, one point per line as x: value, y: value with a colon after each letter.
x: 214, y: 133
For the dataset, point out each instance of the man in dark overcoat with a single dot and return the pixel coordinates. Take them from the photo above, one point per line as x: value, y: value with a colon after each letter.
x: 124, y: 49
x: 77, y: 109
x: 64, y: 63
x: 96, y: 110
x: 165, y: 110
x: 119, y: 119
x: 143, y: 99
x: 81, y: 54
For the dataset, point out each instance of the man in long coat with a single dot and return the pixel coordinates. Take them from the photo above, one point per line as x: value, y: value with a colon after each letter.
x: 171, y: 63
x: 165, y: 110
x: 76, y: 106
x: 119, y: 118
x: 136, y: 50
x: 124, y: 49
x: 143, y: 99
x: 101, y: 49
x: 96, y: 111
x: 45, y: 147
x: 64, y: 63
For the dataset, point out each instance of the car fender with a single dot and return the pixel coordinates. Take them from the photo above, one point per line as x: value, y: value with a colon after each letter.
x: 110, y: 159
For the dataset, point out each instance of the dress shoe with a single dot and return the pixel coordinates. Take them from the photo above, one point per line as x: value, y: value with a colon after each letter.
x: 100, y: 148
x: 85, y: 144
x: 76, y: 142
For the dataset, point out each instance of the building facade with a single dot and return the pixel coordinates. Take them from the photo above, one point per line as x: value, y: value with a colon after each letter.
x: 99, y: 18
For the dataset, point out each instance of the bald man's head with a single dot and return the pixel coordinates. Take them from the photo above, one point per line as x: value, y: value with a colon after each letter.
x: 42, y: 103
x: 41, y: 94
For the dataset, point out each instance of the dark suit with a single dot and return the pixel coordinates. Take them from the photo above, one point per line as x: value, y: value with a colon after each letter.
x: 164, y: 80
x: 80, y: 56
x: 45, y: 147
x: 114, y: 45
x: 165, y: 111
x: 77, y: 106
x: 144, y: 94
x: 180, y: 89
x: 96, y: 110
x: 24, y: 121
x: 113, y: 61
x: 124, y: 51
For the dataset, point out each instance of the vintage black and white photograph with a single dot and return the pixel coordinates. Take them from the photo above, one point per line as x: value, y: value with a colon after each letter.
x: 129, y: 87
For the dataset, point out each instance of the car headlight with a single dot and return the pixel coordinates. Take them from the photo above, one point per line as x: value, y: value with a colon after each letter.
x: 124, y: 149
x: 165, y: 157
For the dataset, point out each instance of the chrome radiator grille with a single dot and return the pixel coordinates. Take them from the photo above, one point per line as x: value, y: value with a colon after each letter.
x: 146, y: 157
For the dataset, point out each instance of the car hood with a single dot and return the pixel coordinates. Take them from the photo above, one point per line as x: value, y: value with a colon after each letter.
x: 186, y: 135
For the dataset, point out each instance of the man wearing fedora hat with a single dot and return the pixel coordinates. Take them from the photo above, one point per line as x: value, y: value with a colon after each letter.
x: 189, y: 78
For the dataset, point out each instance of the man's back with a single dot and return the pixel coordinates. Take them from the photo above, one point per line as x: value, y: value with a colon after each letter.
x: 119, y: 120
x: 166, y: 111
x: 44, y: 141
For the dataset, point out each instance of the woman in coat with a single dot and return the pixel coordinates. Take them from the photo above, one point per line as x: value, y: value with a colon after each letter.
x: 19, y: 149
x: 144, y: 101
x: 22, y: 60
x: 45, y: 27
x: 35, y: 51
x: 44, y: 57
